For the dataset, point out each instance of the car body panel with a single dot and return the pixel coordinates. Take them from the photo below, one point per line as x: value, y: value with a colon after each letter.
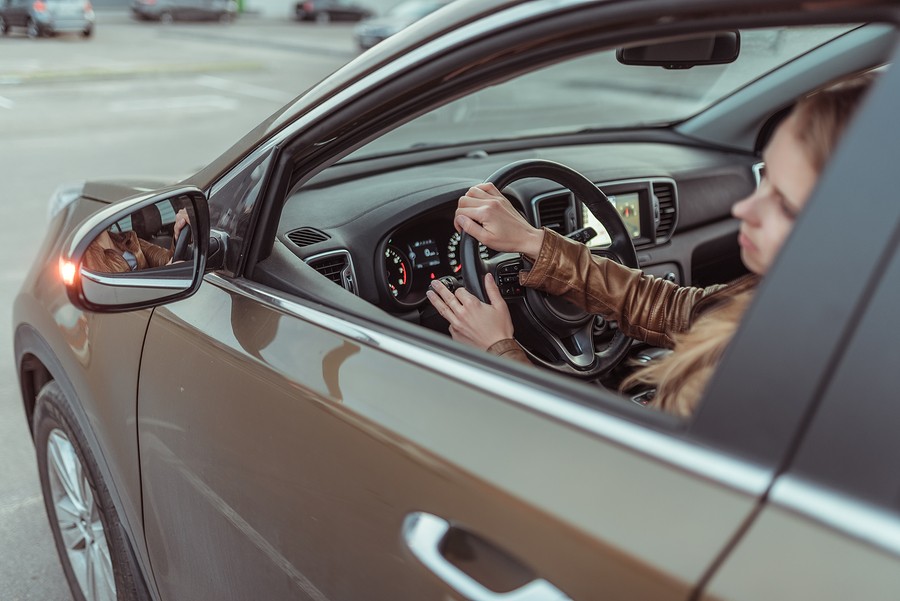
x: 359, y: 458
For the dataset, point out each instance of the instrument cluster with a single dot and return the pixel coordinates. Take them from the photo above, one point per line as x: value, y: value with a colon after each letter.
x: 418, y: 253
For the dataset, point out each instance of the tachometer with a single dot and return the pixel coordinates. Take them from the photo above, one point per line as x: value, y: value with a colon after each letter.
x: 398, y: 270
x: 453, y: 252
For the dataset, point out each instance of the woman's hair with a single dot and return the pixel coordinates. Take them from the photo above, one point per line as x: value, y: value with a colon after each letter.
x: 680, y: 377
x: 821, y: 117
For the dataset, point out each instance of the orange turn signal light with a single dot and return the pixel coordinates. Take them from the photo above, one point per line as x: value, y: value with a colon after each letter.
x: 67, y: 271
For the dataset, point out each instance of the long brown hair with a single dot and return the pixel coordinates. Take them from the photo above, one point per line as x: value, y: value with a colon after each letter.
x: 680, y: 377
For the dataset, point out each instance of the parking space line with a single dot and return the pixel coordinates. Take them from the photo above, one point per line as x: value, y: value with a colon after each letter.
x: 6, y: 103
x: 246, y: 89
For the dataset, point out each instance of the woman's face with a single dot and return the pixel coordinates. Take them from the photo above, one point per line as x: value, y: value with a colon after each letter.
x: 767, y: 215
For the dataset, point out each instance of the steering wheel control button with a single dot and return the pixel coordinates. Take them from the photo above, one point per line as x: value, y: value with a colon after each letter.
x: 508, y: 279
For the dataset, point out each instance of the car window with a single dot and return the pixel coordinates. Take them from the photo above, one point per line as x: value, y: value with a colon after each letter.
x: 231, y: 203
x: 596, y: 92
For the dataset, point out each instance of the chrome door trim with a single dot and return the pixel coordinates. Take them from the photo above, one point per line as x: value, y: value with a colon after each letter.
x: 735, y: 473
x: 848, y: 515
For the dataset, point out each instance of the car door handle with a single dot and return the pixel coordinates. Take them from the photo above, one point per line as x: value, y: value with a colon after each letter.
x: 424, y: 534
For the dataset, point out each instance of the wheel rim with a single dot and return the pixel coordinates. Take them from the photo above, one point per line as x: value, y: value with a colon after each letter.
x: 32, y: 29
x: 78, y: 520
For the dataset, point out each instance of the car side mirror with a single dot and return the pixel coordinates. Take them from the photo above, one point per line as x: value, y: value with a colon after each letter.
x: 683, y: 53
x: 140, y: 253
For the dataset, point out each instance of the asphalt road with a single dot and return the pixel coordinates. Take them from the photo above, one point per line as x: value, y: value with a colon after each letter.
x: 136, y: 99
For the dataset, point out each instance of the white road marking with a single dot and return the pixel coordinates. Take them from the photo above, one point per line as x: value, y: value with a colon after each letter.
x: 245, y: 89
x: 175, y: 104
x: 6, y: 103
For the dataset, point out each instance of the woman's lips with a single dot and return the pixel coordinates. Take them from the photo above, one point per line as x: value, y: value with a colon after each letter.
x: 745, y: 242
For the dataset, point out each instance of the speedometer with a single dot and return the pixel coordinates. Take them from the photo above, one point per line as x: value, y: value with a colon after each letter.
x: 453, y: 252
x: 398, y: 271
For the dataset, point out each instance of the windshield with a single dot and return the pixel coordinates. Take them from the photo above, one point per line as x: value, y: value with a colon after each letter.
x: 596, y: 92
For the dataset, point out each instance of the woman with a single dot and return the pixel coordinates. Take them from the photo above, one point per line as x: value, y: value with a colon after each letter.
x: 119, y: 252
x: 697, y: 323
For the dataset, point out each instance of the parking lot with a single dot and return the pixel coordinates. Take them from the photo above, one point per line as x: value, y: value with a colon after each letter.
x: 135, y: 99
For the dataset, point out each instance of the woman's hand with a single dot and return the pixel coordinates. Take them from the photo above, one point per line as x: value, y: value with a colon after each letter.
x: 487, y: 215
x: 472, y: 321
x: 181, y: 219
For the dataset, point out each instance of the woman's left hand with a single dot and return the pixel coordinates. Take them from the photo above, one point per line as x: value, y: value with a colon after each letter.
x: 181, y: 219
x: 472, y: 321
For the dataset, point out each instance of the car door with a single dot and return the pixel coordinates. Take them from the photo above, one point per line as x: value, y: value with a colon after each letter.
x: 290, y: 451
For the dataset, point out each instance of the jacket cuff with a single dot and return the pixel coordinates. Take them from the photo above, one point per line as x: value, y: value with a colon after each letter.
x: 510, y: 349
x: 547, y: 257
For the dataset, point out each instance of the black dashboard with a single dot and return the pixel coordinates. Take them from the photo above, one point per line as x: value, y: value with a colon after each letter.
x: 386, y: 235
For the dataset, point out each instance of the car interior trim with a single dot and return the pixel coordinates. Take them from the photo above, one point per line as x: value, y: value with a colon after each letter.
x: 848, y: 515
x: 737, y: 474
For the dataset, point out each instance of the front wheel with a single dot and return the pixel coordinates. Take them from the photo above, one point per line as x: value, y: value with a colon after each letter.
x: 90, y: 542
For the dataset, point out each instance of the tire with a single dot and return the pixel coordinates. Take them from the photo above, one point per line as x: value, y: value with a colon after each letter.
x: 31, y: 29
x: 4, y: 26
x: 87, y: 32
x: 91, y: 543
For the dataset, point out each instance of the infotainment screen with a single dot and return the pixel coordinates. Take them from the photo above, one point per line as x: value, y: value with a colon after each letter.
x: 628, y: 207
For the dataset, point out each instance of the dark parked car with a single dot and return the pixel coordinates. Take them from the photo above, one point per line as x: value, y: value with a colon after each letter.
x: 324, y: 11
x: 47, y: 17
x: 279, y: 414
x: 167, y: 11
x: 371, y: 31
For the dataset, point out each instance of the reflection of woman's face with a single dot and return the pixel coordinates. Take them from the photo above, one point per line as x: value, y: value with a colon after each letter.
x: 768, y: 214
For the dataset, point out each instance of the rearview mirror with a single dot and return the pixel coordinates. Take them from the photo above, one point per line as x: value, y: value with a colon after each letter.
x: 684, y: 53
x: 140, y: 253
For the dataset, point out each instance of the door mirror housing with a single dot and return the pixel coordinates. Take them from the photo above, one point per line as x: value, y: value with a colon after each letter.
x: 142, y: 252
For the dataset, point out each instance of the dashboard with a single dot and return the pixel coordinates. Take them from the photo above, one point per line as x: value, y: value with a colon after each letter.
x: 385, y: 233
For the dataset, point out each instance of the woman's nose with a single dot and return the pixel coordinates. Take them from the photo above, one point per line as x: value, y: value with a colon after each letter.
x: 743, y: 209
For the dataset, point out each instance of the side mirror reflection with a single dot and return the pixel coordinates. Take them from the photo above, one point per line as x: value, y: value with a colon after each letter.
x: 139, y: 254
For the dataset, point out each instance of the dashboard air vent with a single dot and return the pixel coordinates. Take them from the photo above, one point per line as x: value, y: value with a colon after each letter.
x: 552, y: 212
x: 306, y: 236
x: 665, y: 194
x: 337, y: 267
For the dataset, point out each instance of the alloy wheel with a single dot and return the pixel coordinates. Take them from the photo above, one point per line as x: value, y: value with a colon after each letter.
x: 78, y: 520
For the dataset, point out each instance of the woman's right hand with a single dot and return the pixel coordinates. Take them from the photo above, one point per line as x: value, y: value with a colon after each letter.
x: 489, y: 217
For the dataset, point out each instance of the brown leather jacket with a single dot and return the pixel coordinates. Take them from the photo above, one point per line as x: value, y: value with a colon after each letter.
x: 646, y: 308
x: 109, y: 260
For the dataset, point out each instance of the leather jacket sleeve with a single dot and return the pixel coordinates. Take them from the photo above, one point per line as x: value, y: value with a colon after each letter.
x: 646, y: 308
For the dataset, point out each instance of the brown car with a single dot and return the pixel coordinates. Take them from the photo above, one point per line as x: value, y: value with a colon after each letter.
x: 277, y: 413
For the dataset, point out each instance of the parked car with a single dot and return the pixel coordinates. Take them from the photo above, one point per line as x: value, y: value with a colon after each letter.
x: 47, y: 17
x: 371, y: 31
x: 278, y: 413
x: 325, y: 11
x: 168, y: 11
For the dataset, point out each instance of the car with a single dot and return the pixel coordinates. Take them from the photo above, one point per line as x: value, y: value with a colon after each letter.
x: 47, y: 17
x: 375, y: 30
x: 325, y: 11
x: 168, y: 11
x: 279, y: 413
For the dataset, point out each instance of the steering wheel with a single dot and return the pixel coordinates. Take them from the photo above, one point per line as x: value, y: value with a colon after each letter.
x: 554, y: 332
x: 182, y: 246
